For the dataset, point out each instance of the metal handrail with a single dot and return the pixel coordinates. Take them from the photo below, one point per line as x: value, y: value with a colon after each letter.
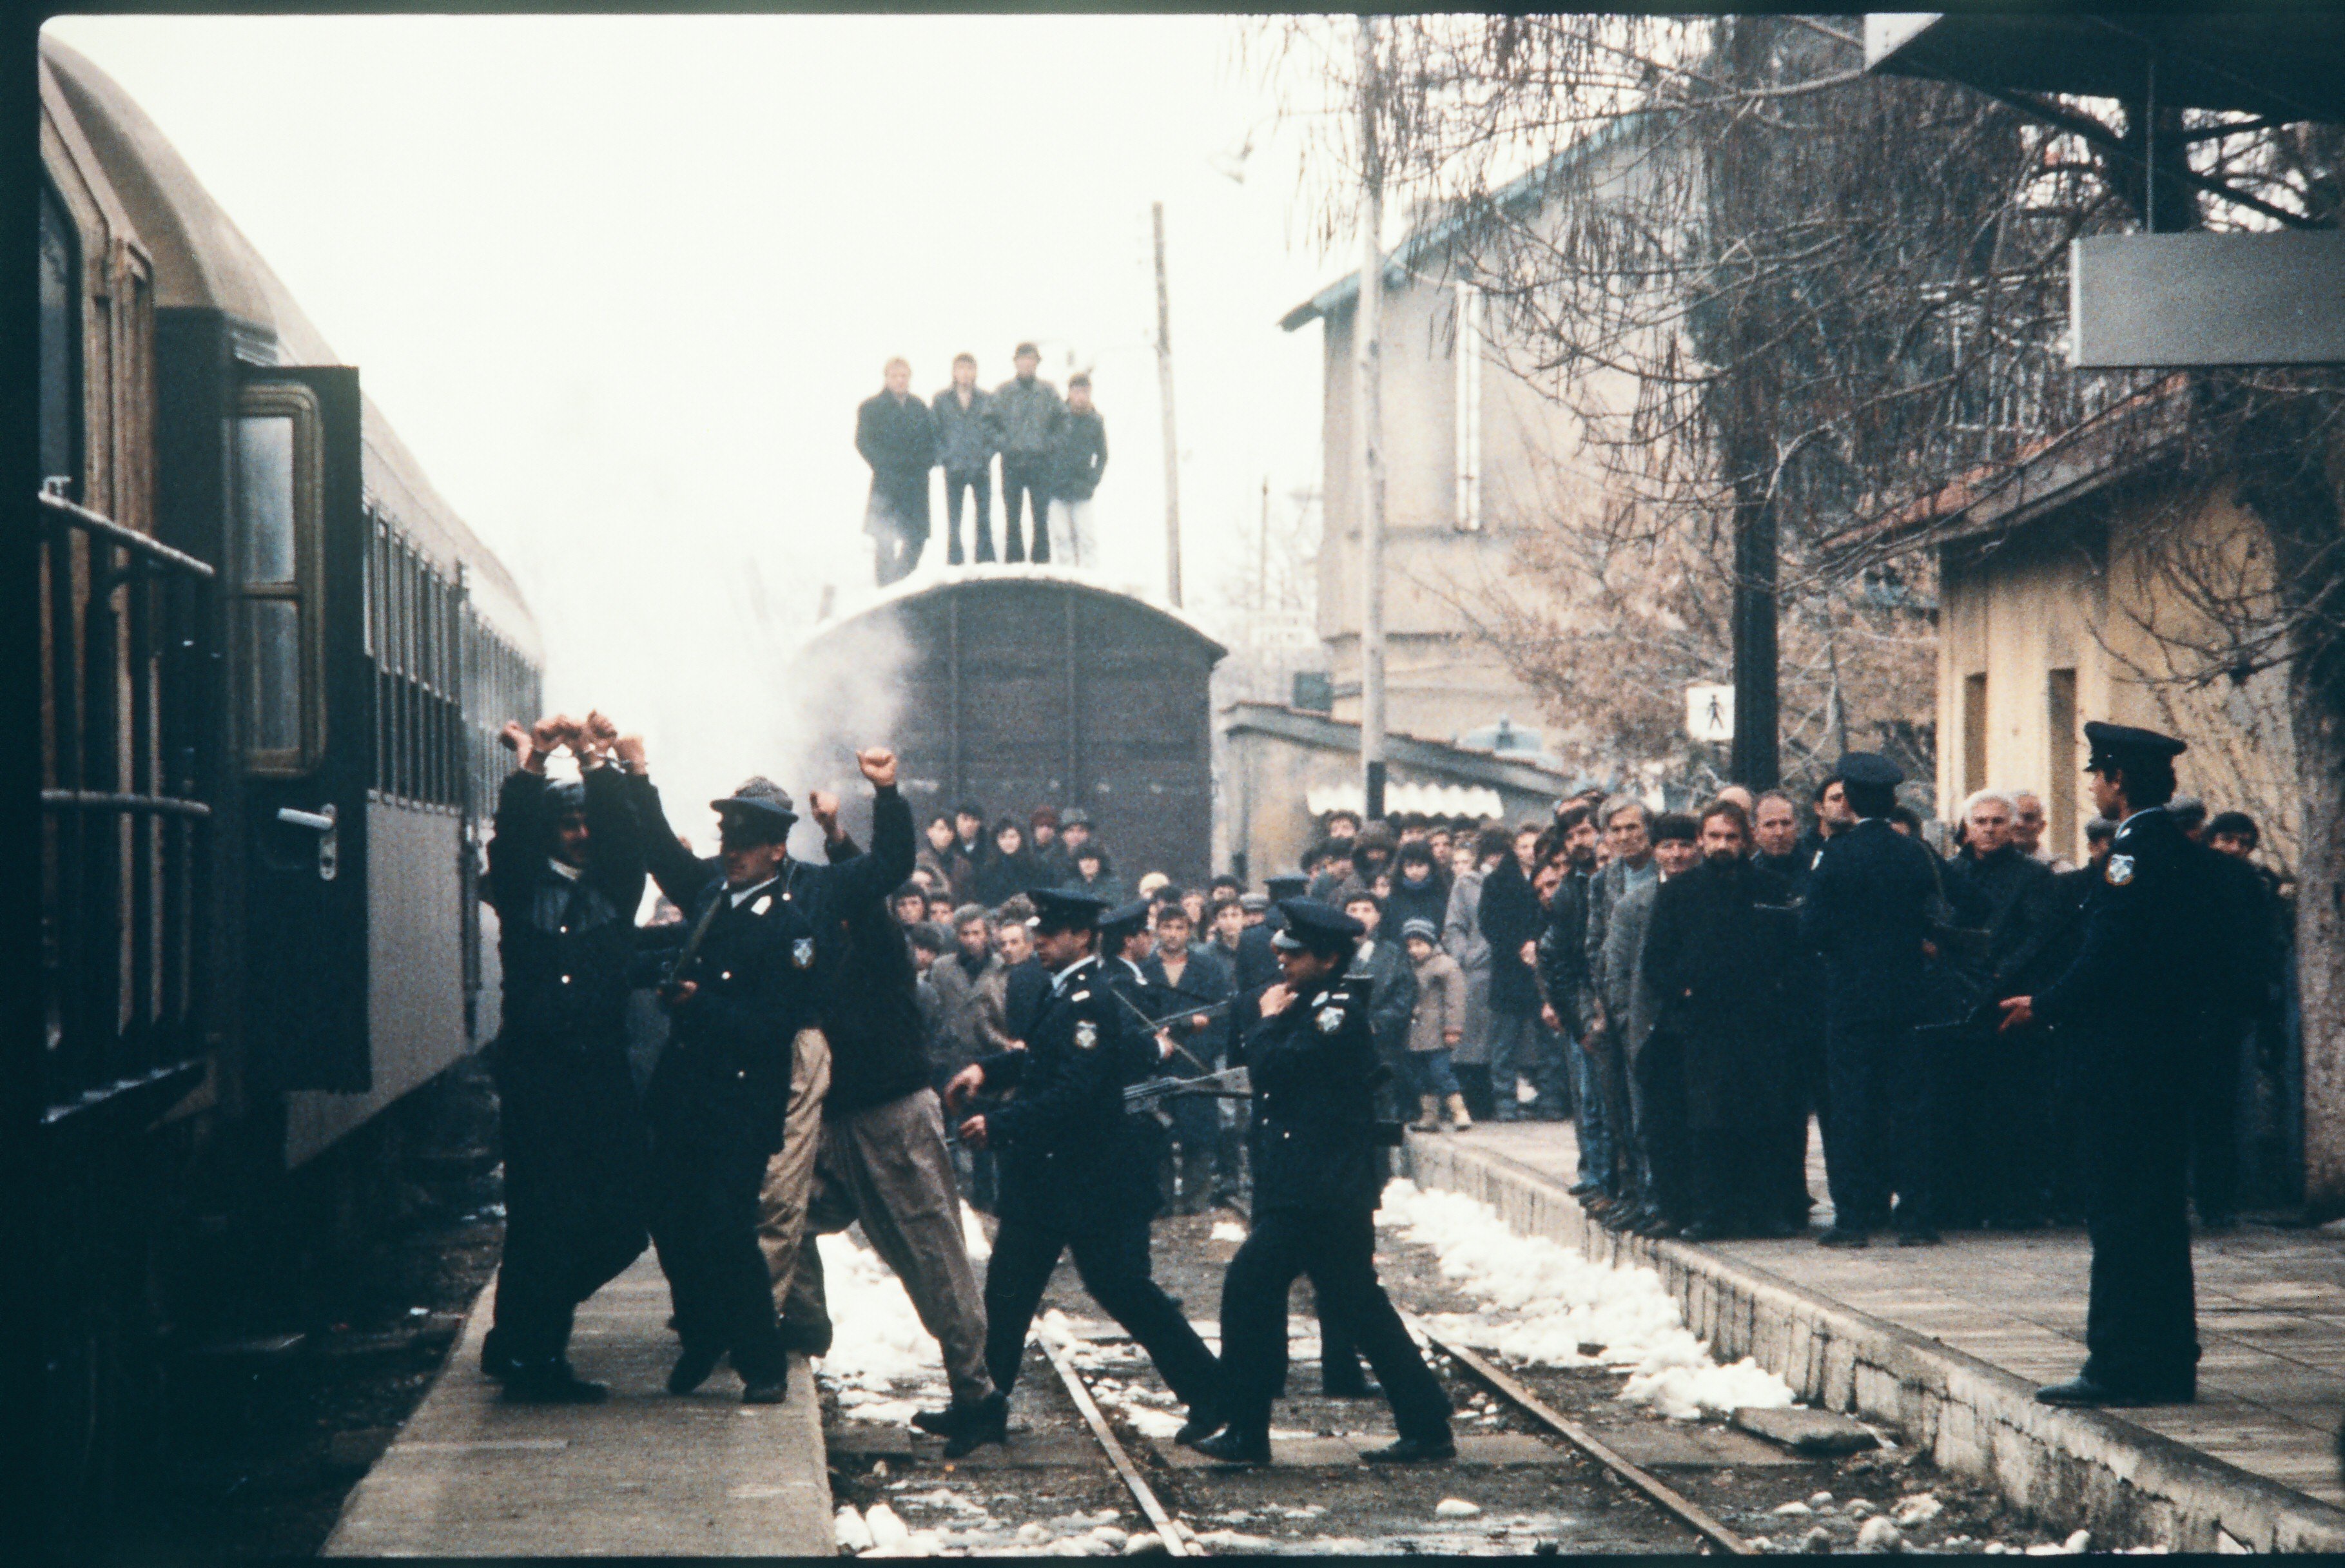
x: 98, y: 800
x: 129, y: 539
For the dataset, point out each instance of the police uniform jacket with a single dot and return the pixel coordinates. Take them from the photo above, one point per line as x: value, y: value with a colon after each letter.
x: 2139, y: 984
x: 1064, y: 1142
x: 565, y: 941
x: 1313, y: 1073
x: 765, y: 967
x: 1867, y: 912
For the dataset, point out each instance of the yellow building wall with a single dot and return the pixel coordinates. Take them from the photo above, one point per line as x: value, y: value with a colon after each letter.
x: 2105, y: 592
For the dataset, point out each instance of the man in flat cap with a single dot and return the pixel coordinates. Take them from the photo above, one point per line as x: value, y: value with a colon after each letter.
x: 2133, y: 999
x: 1867, y: 912
x: 1318, y: 1173
x: 742, y: 1079
x: 1074, y: 1176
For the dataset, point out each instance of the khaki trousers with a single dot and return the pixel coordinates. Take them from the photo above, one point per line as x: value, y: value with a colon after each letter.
x: 789, y: 1174
x: 887, y: 1168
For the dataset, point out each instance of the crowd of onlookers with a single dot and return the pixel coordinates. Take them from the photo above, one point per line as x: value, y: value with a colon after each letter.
x: 1053, y: 451
x: 1538, y: 973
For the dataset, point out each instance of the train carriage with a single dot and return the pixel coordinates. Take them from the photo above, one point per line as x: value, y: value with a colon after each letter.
x: 274, y: 661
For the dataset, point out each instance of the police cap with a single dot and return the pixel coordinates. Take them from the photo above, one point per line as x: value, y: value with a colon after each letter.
x: 1870, y: 769
x: 1058, y: 909
x: 1319, y: 927
x: 759, y: 801
x: 1284, y: 887
x: 2111, y: 744
x: 1124, y: 919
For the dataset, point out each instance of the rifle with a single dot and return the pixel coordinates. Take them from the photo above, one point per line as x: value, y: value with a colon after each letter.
x: 1157, y: 1025
x: 1230, y: 1083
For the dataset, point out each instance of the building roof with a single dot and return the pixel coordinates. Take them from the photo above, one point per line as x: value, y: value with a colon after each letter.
x: 2055, y: 471
x: 1429, y: 240
x: 1448, y: 763
x: 2288, y: 62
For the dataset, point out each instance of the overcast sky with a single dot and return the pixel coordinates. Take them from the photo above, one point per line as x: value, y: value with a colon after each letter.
x: 621, y: 282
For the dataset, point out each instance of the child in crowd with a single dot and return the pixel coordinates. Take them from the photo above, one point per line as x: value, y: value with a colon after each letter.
x: 1438, y: 1025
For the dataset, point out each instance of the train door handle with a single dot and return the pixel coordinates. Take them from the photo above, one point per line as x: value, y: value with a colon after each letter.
x: 321, y: 822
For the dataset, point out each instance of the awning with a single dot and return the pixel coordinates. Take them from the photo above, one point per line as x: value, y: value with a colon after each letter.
x: 1473, y: 800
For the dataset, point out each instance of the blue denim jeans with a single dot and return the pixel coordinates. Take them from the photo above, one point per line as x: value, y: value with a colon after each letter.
x: 1523, y: 1047
x: 1591, y: 1125
x: 1429, y: 1073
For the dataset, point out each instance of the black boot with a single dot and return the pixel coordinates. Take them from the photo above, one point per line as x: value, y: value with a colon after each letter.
x: 1413, y: 1451
x: 693, y: 1367
x: 552, y: 1382
x: 1236, y: 1445
x: 987, y: 1421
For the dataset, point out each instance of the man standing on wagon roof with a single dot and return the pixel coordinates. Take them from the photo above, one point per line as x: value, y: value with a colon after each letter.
x: 1027, y: 413
x: 897, y: 435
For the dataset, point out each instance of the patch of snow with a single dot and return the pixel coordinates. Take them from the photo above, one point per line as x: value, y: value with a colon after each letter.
x: 1228, y: 1230
x: 1917, y: 1509
x: 1819, y: 1499
x: 886, y: 1528
x: 882, y: 1361
x: 1455, y: 1507
x: 1541, y: 1301
x: 1794, y: 1511
x: 973, y: 1234
x: 1878, y: 1535
x: 1237, y: 1541
x: 848, y: 1529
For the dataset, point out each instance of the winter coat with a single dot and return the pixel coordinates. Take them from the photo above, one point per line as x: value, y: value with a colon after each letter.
x: 2010, y: 896
x: 1026, y: 415
x: 1714, y: 968
x: 1205, y: 982
x: 1563, y: 953
x: 1626, y: 1005
x: 1510, y: 917
x: 1428, y: 901
x: 964, y: 436
x: 1382, y: 968
x: 1002, y: 877
x: 1078, y: 454
x: 1868, y: 910
x: 1440, y: 1002
x: 1604, y: 893
x: 1312, y: 1070
x: 898, y: 440
x: 970, y: 1022
x: 1462, y: 939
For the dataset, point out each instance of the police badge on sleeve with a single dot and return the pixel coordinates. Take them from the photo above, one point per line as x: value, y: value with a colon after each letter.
x: 1086, y: 1035
x: 2120, y: 870
x: 802, y: 952
x: 1330, y: 1019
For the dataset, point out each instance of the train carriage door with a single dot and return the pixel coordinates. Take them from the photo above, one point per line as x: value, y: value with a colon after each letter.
x: 303, y: 721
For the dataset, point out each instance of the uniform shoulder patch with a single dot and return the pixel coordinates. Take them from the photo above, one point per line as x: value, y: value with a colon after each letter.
x: 2120, y: 870
x: 1086, y: 1035
x: 1330, y: 1019
x: 802, y: 952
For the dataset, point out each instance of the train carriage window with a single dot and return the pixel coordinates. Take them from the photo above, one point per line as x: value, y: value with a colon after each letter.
x: 60, y: 344
x: 276, y: 449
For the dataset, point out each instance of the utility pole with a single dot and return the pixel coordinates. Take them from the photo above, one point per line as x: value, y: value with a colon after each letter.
x: 1171, y: 445
x: 1367, y: 324
x: 1261, y: 556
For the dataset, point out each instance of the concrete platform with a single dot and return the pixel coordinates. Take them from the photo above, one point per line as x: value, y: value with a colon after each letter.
x: 644, y: 1475
x: 1949, y: 1344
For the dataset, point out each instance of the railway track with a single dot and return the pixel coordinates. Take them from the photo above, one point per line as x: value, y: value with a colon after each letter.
x: 1549, y: 1458
x: 1179, y: 1538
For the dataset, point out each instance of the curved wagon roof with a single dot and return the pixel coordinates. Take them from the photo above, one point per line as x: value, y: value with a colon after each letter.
x: 924, y: 585
x: 204, y: 262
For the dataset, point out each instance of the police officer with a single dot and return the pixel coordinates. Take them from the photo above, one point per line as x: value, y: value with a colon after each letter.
x: 566, y: 872
x: 1867, y: 911
x: 1317, y: 1177
x: 746, y: 994
x: 2133, y: 999
x: 1073, y: 1176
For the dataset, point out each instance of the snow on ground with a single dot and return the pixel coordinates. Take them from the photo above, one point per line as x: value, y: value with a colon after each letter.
x: 1542, y: 1303
x: 881, y: 1360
